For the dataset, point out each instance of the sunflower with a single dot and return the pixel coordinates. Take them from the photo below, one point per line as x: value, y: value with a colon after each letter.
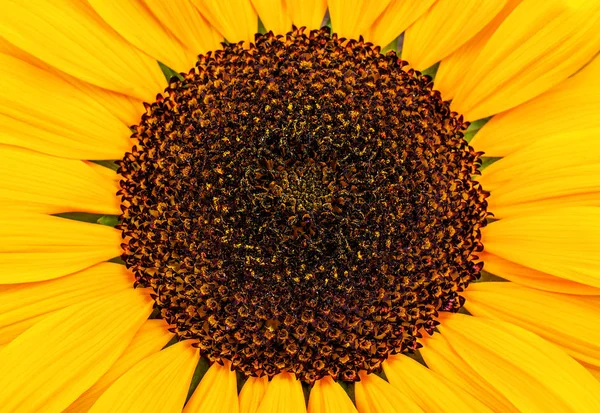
x: 300, y: 205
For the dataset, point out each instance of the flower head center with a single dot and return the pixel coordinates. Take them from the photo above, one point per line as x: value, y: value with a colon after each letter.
x: 302, y: 205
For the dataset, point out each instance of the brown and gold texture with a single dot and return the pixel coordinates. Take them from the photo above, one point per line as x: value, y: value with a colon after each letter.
x: 305, y: 204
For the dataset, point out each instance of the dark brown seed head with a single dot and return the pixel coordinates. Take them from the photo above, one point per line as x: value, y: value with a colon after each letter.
x: 303, y: 205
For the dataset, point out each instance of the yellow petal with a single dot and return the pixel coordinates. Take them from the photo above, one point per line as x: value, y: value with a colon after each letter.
x: 326, y: 396
x: 539, y: 45
x: 52, y: 363
x: 10, y: 49
x: 284, y: 394
x: 547, y: 154
x: 571, y: 106
x: 20, y: 133
x: 216, y: 393
x: 252, y: 394
x: 274, y: 15
x: 150, y: 339
x: 427, y: 389
x: 52, y: 185
x: 13, y: 330
x: 441, y: 358
x: 571, y: 186
x: 22, y: 305
x: 451, y: 71
x: 134, y: 21
x: 30, y: 232
x: 45, y: 102
x: 307, y: 13
x: 235, y: 20
x: 105, y: 171
x: 375, y: 395
x: 562, y: 242
x: 594, y: 371
x: 36, y: 247
x: 159, y: 383
x: 352, y: 19
x: 531, y: 278
x: 125, y: 108
x: 186, y: 23
x: 394, y: 20
x: 444, y: 28
x: 73, y: 38
x: 530, y: 372
x: 565, y: 320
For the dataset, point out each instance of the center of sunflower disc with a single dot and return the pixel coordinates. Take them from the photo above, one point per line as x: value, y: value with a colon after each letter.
x: 305, y: 204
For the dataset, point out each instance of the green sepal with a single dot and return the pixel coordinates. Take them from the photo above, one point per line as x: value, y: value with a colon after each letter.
x: 431, y: 71
x: 487, y: 161
x: 489, y: 277
x: 80, y: 216
x: 109, y: 163
x: 168, y: 72
x: 201, y: 369
x: 108, y: 220
x: 261, y: 27
x: 474, y: 128
x: 117, y: 260
x: 393, y: 45
x: 349, y: 389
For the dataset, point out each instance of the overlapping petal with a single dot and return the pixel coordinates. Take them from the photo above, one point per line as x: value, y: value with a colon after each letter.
x: 375, y: 395
x: 51, y: 364
x: 23, y: 305
x: 157, y: 384
x: 444, y: 28
x: 531, y: 373
x: 571, y: 107
x: 284, y: 393
x: 71, y: 37
x: 444, y: 360
x: 152, y: 336
x: 274, y: 15
x: 136, y: 23
x: 216, y: 393
x: 562, y: 242
x: 352, y: 19
x: 252, y: 394
x: 185, y: 22
x: 42, y: 111
x: 36, y: 182
x: 235, y: 20
x: 37, y: 247
x: 326, y: 396
x: 559, y: 187
x: 529, y: 277
x: 540, y: 44
x: 394, y: 20
x: 543, y: 157
x: 416, y: 381
x: 307, y: 13
x: 566, y: 320
x: 452, y: 69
